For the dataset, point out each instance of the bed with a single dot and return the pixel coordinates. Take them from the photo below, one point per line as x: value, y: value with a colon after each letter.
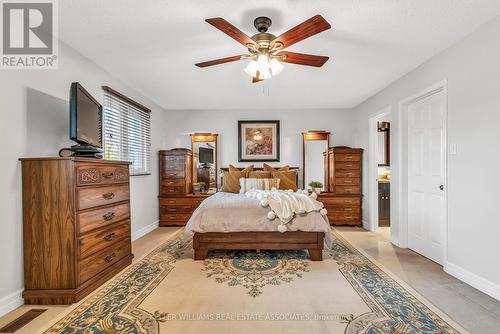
x: 234, y: 221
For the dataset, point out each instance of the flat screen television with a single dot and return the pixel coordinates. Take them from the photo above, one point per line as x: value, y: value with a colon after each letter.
x: 85, y: 117
x: 206, y: 155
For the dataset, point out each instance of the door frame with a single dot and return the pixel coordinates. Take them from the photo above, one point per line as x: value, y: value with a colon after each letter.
x: 373, y: 167
x: 402, y: 162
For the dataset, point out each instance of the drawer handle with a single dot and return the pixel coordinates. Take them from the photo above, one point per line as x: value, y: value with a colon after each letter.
x: 110, y: 257
x: 348, y: 157
x: 108, y: 196
x: 348, y: 217
x: 172, y: 190
x: 347, y: 201
x: 186, y: 208
x: 109, y: 236
x: 171, y: 210
x: 348, y: 181
x: 350, y: 165
x: 348, y: 189
x: 109, y: 216
x: 107, y: 175
x: 347, y: 209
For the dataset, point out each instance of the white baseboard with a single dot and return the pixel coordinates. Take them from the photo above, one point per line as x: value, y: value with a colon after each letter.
x: 473, y: 280
x: 145, y: 230
x: 11, y: 302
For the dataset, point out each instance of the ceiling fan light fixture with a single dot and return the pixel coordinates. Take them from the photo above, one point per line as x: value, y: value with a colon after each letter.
x: 276, y: 66
x: 251, y: 68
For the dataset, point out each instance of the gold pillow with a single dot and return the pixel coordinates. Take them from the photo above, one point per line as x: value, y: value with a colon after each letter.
x: 288, y: 179
x: 247, y: 169
x: 231, y: 181
x: 269, y: 168
x: 260, y: 175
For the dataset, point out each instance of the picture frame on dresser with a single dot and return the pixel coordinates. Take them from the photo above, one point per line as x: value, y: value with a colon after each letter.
x: 259, y: 141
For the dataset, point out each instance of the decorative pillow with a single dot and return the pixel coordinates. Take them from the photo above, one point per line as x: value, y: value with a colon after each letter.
x: 269, y: 168
x: 231, y: 181
x: 247, y: 169
x: 247, y: 184
x: 288, y: 179
x: 260, y: 175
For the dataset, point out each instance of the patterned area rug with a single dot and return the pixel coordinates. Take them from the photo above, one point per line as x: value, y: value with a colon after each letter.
x: 255, y: 292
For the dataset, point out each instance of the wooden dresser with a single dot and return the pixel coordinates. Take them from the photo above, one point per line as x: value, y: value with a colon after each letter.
x: 343, y: 198
x: 177, y: 202
x: 76, y: 226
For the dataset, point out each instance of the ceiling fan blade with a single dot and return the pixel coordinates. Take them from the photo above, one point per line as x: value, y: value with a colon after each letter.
x: 219, y: 61
x: 306, y: 29
x: 230, y: 30
x: 303, y: 59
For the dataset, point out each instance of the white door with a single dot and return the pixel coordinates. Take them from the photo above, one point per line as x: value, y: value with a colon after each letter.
x: 426, y: 176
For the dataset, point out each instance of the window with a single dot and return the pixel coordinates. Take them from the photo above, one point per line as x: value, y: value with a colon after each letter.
x: 127, y: 131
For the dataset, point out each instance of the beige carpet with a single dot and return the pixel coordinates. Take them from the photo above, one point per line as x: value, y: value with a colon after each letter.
x: 250, y: 292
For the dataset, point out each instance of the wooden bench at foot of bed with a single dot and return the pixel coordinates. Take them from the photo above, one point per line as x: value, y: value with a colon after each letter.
x: 312, y: 241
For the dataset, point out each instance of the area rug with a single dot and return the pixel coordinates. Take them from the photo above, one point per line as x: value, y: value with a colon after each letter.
x: 255, y: 292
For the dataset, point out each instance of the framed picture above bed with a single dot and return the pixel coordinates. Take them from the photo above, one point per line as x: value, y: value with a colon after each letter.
x: 258, y: 141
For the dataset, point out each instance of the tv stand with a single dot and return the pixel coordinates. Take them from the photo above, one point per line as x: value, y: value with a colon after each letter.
x: 86, y: 151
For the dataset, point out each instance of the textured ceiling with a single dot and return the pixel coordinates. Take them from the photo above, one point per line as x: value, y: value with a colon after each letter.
x: 152, y: 45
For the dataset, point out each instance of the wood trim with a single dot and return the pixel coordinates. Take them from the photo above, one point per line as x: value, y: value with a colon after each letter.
x: 205, y: 137
x: 125, y: 98
x: 297, y: 240
x: 313, y: 135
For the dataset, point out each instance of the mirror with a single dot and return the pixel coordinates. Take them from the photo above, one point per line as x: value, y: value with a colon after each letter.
x: 383, y: 144
x: 204, y: 148
x: 315, y: 144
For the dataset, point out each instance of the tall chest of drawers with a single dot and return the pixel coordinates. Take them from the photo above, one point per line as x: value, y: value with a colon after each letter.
x: 76, y: 226
x: 343, y: 172
x: 177, y: 202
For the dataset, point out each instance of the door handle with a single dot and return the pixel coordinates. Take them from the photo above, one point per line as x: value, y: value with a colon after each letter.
x: 441, y: 187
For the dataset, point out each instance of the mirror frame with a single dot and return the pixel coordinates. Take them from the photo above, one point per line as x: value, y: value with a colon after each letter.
x: 198, y: 137
x: 308, y: 136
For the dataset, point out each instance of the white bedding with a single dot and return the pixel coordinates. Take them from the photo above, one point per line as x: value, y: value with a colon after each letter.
x: 228, y: 212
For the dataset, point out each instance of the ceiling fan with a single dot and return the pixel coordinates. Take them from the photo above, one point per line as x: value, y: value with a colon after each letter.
x: 266, y: 53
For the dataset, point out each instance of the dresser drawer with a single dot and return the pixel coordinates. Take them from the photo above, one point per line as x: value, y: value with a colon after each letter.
x: 175, y: 217
x: 348, y: 189
x: 343, y: 216
x: 344, y: 209
x: 173, y: 190
x: 347, y: 173
x: 174, y: 159
x: 102, y: 239
x: 94, y: 264
x: 347, y: 157
x: 98, y: 218
x: 172, y: 182
x: 340, y: 201
x: 105, y: 174
x: 347, y: 181
x: 182, y: 201
x: 347, y: 165
x: 165, y: 210
x: 92, y: 197
x: 174, y: 166
x: 174, y: 174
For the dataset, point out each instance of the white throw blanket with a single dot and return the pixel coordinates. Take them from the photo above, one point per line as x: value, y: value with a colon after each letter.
x: 285, y: 204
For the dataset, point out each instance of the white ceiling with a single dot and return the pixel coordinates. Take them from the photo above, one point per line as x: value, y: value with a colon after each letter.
x: 152, y: 45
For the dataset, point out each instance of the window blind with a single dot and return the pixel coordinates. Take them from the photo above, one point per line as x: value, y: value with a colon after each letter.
x: 127, y: 131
